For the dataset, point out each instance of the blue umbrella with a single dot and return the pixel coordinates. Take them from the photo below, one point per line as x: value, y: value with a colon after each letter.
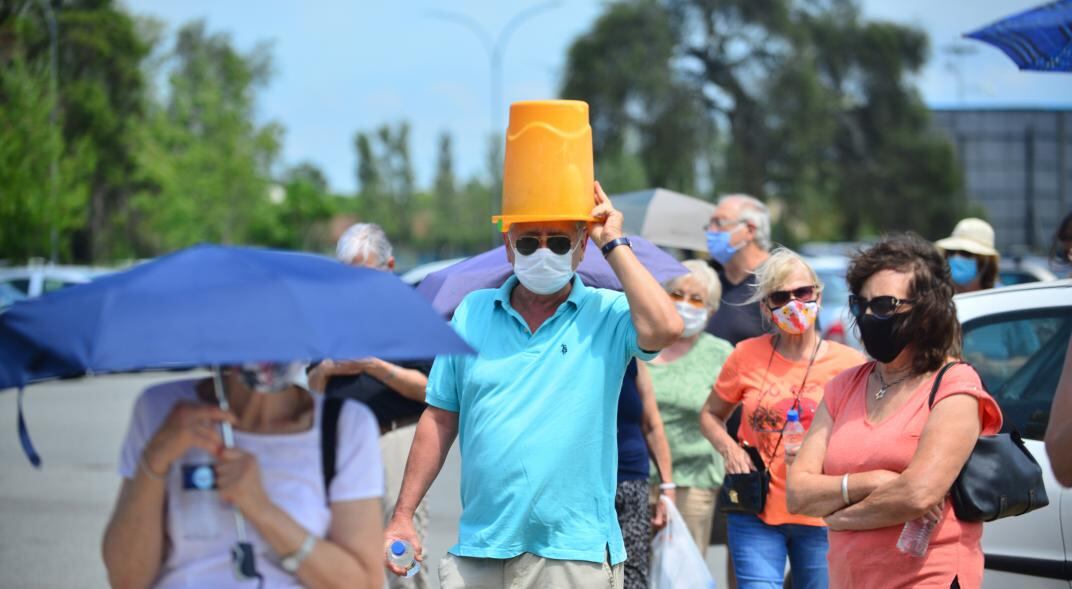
x: 215, y: 305
x: 446, y: 288
x: 1036, y: 39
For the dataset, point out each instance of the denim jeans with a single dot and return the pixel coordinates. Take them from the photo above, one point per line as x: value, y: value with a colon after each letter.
x: 759, y: 552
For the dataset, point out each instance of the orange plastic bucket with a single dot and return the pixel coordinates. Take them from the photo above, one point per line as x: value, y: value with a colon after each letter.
x: 547, y: 173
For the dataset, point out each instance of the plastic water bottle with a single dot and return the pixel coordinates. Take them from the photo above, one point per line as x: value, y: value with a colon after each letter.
x: 199, y: 503
x: 916, y: 537
x: 793, y: 434
x: 402, y: 557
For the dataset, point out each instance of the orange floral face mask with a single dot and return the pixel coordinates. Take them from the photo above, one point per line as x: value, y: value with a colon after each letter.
x: 795, y: 317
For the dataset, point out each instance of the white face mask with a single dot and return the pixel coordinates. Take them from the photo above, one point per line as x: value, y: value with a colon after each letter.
x: 544, y: 272
x: 695, y: 319
x: 273, y: 377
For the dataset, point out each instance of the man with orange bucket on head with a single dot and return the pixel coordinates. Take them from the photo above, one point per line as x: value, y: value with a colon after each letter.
x: 536, y: 409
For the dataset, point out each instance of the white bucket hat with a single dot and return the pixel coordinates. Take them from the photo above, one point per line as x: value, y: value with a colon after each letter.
x: 971, y: 235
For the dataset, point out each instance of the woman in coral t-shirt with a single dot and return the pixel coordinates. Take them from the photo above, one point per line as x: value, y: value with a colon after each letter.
x: 769, y: 375
x: 877, y: 456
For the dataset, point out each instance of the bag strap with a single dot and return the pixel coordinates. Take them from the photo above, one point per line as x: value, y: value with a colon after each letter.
x: 796, y: 402
x: 329, y: 440
x: 938, y: 382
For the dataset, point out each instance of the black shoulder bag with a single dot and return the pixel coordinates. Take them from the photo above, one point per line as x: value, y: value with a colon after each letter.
x: 1000, y: 479
x: 747, y: 492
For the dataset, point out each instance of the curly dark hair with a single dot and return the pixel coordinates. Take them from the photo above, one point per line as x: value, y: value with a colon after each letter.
x: 932, y: 323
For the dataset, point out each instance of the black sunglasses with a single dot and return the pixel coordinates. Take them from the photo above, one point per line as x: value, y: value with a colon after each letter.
x: 780, y: 298
x: 882, y: 307
x: 963, y: 254
x: 528, y: 244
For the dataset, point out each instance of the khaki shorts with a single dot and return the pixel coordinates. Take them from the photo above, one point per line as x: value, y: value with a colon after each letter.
x: 526, y: 571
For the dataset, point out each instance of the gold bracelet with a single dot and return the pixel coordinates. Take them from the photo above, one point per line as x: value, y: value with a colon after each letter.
x: 144, y: 466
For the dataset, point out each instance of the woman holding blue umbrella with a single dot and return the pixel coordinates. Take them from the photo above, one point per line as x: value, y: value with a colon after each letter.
x: 172, y: 523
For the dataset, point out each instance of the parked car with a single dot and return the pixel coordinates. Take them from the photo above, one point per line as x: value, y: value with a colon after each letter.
x: 35, y: 280
x: 9, y: 295
x: 1017, y: 337
x: 1022, y: 270
x: 414, y: 276
x: 835, y: 322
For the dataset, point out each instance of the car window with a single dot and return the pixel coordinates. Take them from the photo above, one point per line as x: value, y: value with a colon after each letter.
x: 835, y: 289
x: 20, y: 284
x: 1014, y: 277
x: 51, y: 284
x: 1019, y: 357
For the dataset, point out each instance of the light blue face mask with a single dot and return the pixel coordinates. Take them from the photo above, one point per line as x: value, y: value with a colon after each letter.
x: 718, y: 245
x: 963, y: 269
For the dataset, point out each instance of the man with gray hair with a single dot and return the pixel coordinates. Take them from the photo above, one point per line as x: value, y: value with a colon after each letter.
x: 393, y: 392
x: 365, y: 244
x: 738, y: 239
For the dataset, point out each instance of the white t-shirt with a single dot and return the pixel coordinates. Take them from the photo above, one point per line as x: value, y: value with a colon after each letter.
x: 291, y: 471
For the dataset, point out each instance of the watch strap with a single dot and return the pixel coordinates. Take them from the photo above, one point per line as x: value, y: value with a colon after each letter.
x: 610, y: 245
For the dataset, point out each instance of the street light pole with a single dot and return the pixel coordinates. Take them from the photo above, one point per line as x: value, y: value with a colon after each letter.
x: 495, y: 47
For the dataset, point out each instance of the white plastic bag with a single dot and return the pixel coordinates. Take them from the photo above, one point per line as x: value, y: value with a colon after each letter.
x: 676, y: 562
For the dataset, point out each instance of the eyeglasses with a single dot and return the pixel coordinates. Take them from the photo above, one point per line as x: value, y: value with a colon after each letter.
x: 721, y: 224
x: 528, y: 244
x: 804, y: 294
x: 882, y: 307
x: 694, y: 300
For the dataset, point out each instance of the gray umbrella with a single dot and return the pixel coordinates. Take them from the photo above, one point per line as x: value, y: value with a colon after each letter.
x: 666, y: 218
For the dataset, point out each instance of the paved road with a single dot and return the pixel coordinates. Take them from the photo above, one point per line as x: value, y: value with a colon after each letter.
x: 51, y: 519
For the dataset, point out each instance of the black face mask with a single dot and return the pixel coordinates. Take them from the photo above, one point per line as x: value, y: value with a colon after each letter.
x: 884, y: 339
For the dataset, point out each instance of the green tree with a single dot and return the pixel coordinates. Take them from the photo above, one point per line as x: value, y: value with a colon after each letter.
x: 801, y: 102
x: 300, y: 208
x: 445, y: 194
x: 102, y: 98
x: 642, y: 110
x: 28, y: 143
x: 205, y: 159
x: 385, y: 179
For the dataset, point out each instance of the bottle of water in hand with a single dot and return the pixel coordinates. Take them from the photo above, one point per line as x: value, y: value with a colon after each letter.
x: 199, y: 504
x: 793, y: 434
x: 401, y: 555
x: 916, y: 536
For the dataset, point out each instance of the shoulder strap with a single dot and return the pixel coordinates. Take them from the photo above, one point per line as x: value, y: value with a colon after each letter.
x: 938, y: 382
x: 329, y: 440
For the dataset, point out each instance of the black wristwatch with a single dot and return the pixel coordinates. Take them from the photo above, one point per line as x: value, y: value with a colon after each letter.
x: 610, y: 245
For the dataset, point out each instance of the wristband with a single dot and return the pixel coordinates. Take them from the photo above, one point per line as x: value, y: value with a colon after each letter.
x: 610, y: 245
x: 845, y: 490
x: 667, y: 487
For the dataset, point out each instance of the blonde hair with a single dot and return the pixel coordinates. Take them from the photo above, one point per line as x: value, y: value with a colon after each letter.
x: 699, y: 270
x: 772, y: 274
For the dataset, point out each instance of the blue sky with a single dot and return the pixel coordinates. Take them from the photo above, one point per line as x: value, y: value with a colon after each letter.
x: 343, y: 66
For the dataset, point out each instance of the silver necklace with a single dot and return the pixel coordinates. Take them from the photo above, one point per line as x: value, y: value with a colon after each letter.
x: 884, y: 386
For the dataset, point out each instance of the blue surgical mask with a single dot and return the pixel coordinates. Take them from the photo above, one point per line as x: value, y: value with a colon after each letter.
x: 544, y: 272
x: 963, y: 269
x: 718, y: 245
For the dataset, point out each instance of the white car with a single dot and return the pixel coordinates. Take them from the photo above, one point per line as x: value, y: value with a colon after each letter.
x: 37, y: 279
x: 1016, y: 338
x: 416, y: 275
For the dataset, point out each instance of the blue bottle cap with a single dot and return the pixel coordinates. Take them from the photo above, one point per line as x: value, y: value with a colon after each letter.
x: 398, y: 548
x: 792, y: 415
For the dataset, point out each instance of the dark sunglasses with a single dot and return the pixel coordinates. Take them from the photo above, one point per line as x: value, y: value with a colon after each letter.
x: 780, y: 298
x: 963, y: 254
x: 558, y: 244
x: 882, y: 307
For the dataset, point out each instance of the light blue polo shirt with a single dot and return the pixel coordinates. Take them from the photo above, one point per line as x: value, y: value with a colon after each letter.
x: 537, y: 424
